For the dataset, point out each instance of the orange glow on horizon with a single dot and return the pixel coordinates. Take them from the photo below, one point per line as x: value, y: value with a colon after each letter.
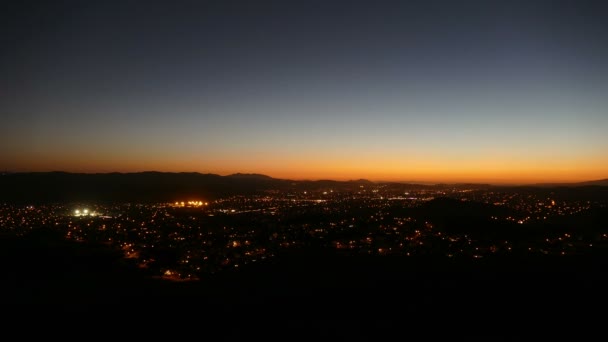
x: 497, y: 171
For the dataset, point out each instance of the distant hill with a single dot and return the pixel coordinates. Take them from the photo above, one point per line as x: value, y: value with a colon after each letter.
x: 141, y: 186
x: 147, y: 186
x: 469, y: 217
x: 600, y: 182
x: 152, y: 186
x: 249, y: 176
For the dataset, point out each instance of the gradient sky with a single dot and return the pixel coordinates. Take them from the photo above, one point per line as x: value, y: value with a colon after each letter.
x: 446, y: 91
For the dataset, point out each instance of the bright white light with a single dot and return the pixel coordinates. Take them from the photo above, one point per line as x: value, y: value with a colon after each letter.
x: 77, y: 212
x: 86, y: 211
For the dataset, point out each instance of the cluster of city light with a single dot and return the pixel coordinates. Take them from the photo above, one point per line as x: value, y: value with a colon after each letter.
x: 190, y: 204
x: 83, y: 212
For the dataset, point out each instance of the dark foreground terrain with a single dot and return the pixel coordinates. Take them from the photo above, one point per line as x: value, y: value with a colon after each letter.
x: 318, y: 293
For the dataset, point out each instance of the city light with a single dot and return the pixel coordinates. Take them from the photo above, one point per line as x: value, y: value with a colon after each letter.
x: 190, y: 204
x: 84, y: 212
x: 209, y: 245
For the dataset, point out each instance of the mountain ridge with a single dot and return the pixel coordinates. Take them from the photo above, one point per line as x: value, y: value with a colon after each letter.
x: 156, y: 186
x: 602, y: 182
x: 598, y: 182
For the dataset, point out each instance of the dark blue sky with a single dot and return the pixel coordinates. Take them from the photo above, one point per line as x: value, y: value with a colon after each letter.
x: 429, y: 90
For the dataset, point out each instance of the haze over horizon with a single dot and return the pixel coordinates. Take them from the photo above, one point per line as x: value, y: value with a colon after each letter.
x: 509, y: 92
x: 603, y: 181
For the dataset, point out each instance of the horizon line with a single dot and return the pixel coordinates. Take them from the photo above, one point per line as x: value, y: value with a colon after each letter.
x: 379, y: 181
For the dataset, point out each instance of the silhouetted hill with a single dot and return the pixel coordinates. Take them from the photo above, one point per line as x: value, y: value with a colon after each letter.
x: 45, y: 276
x: 452, y: 206
x: 362, y: 181
x: 317, y: 289
x: 39, y: 187
x: 565, y: 193
x: 144, y: 186
x: 469, y: 217
x: 147, y: 186
x: 600, y: 182
x: 141, y: 187
x: 42, y: 268
x: 255, y: 176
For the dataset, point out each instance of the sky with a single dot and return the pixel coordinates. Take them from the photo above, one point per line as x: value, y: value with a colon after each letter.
x: 429, y: 91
